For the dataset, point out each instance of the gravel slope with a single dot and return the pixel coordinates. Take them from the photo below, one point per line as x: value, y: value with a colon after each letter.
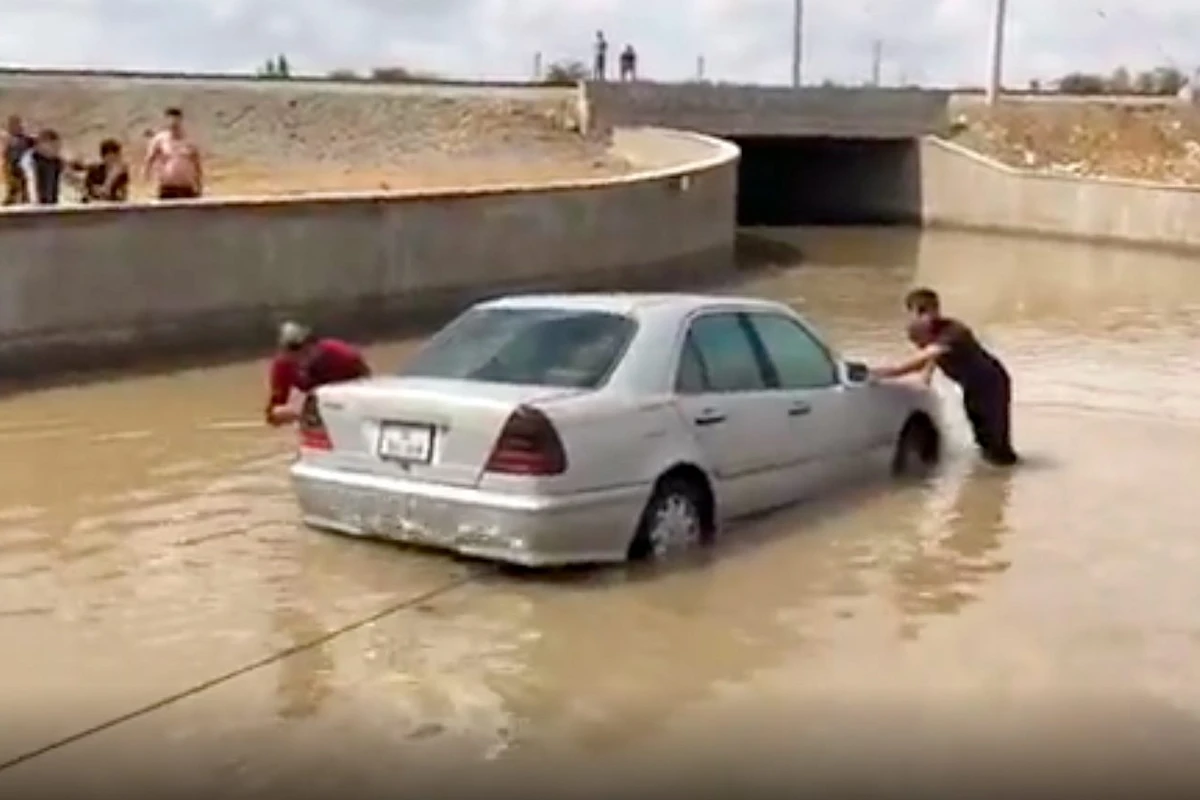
x: 1142, y: 141
x: 265, y: 137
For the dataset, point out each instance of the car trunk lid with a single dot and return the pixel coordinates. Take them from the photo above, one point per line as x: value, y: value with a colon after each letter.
x: 425, y: 429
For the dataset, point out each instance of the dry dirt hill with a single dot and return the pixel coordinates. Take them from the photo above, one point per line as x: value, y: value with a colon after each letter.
x: 288, y: 138
x: 1156, y: 142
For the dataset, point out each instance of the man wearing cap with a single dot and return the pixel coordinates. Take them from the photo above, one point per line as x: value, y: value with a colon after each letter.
x: 305, y: 362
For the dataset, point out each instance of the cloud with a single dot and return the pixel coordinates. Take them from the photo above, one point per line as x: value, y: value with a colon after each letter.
x: 942, y: 41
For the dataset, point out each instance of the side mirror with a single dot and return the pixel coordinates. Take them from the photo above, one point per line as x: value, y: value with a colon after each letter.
x: 855, y: 373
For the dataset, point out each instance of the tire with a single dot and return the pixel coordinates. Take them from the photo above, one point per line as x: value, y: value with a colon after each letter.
x: 917, y: 449
x: 672, y: 522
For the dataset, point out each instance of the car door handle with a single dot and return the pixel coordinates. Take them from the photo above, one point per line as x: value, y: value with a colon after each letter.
x: 709, y: 418
x: 799, y: 409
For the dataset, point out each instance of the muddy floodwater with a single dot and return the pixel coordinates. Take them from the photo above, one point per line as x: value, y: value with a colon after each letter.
x: 166, y: 620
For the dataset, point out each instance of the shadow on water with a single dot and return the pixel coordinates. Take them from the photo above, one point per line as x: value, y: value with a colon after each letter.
x: 741, y: 537
x: 934, y: 540
x: 761, y: 597
x: 938, y: 575
x: 890, y: 248
x: 757, y: 250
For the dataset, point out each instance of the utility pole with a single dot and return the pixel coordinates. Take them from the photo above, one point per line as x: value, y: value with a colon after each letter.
x: 996, y: 74
x: 797, y: 41
x: 876, y: 61
x: 700, y: 69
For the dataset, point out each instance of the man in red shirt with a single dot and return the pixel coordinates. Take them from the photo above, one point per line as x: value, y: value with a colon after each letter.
x: 305, y: 362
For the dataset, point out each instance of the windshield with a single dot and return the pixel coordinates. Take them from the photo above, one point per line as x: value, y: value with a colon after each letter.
x: 531, y: 346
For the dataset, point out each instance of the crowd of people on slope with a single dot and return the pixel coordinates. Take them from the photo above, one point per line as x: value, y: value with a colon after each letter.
x: 37, y: 167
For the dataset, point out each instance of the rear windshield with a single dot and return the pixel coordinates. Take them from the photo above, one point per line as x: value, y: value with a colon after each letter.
x: 531, y: 346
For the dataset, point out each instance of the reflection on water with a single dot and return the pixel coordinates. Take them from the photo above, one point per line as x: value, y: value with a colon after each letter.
x: 964, y: 529
x: 147, y: 538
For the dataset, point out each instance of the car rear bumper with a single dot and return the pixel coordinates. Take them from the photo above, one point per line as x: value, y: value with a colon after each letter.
x: 531, y: 531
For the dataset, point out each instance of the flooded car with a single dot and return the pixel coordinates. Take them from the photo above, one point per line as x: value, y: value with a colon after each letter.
x: 546, y: 430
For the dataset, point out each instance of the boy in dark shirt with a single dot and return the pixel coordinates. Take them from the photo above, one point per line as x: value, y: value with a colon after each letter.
x: 44, y: 167
x: 951, y: 346
x: 106, y: 180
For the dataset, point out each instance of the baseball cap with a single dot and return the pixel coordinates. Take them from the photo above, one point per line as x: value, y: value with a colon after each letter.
x: 293, y: 334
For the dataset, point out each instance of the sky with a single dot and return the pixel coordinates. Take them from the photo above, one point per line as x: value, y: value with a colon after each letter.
x: 942, y: 42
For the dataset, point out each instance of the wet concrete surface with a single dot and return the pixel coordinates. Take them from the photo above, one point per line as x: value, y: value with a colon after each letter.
x: 170, y: 624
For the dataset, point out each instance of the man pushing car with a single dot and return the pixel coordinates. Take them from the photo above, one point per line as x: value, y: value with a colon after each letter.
x: 947, y: 344
x: 305, y: 362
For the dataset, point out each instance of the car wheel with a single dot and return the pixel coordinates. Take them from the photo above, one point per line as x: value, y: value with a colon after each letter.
x: 673, y: 522
x: 917, y: 449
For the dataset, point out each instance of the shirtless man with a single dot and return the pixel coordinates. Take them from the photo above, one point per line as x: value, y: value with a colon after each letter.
x: 174, y: 161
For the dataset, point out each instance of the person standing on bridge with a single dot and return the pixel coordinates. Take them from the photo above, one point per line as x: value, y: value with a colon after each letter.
x: 947, y: 344
x: 600, y: 58
x: 305, y: 362
x: 628, y: 64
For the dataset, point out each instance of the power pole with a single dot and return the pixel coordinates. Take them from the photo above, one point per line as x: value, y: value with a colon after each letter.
x: 797, y: 41
x: 537, y: 66
x: 996, y: 73
x: 876, y: 61
x: 699, y: 68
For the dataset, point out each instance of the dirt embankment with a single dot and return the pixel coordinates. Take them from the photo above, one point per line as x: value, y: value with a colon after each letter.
x: 291, y: 139
x: 1154, y: 142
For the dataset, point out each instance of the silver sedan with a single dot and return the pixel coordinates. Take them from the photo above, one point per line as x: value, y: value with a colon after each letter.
x: 546, y: 430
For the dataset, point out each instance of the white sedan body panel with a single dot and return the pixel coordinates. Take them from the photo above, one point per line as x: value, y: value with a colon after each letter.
x: 760, y: 446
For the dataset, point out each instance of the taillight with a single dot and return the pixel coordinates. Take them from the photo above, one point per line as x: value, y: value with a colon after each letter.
x: 528, y: 445
x: 313, y: 435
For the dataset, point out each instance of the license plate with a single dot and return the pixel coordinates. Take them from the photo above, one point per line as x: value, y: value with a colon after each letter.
x: 406, y: 442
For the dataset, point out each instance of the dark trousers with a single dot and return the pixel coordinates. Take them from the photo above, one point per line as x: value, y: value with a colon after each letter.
x: 177, y: 193
x: 989, y: 410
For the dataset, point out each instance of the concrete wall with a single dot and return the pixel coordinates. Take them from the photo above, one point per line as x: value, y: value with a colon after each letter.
x: 731, y: 110
x: 87, y: 287
x: 962, y: 189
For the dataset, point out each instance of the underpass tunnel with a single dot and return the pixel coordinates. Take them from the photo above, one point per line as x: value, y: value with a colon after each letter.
x: 786, y: 181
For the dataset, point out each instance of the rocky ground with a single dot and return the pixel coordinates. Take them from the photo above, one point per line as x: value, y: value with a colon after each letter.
x: 280, y: 138
x: 1143, y: 141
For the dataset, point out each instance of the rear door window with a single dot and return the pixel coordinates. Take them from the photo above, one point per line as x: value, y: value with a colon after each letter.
x: 531, y: 346
x: 693, y: 376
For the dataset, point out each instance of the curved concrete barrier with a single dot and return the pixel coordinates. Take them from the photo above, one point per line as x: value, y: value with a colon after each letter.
x: 962, y: 189
x: 106, y: 286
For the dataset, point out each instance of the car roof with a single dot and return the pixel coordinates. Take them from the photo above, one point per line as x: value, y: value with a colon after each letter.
x: 628, y: 303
